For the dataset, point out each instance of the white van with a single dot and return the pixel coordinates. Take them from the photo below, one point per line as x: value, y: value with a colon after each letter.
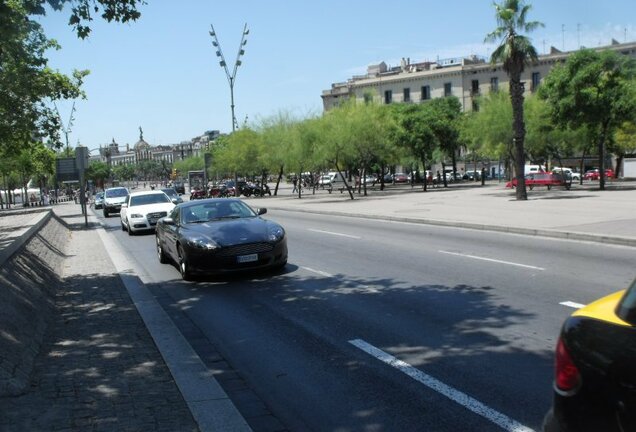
x: 337, y: 182
x: 531, y: 169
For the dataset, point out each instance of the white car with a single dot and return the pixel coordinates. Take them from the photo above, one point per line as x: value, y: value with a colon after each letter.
x: 567, y: 172
x: 142, y: 210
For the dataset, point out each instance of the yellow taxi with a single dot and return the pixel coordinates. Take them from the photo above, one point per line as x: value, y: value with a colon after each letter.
x: 595, y: 368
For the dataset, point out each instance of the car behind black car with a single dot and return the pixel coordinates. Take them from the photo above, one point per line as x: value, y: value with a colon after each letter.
x: 219, y: 235
x: 595, y: 373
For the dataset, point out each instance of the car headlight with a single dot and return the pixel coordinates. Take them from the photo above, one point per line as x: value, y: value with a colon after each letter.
x: 202, y: 243
x: 136, y: 216
x: 276, y: 233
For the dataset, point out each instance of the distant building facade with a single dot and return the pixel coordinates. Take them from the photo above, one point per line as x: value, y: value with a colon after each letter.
x: 115, y: 154
x: 465, y: 78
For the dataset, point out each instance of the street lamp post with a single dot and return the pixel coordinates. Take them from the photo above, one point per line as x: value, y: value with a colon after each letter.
x: 231, y: 77
x: 66, y: 129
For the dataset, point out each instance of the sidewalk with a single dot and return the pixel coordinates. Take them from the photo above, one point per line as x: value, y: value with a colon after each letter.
x: 97, y: 369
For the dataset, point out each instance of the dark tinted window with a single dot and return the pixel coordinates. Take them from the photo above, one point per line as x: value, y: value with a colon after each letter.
x: 627, y: 307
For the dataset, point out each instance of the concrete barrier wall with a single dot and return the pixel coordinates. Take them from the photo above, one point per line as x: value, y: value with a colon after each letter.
x: 28, y: 283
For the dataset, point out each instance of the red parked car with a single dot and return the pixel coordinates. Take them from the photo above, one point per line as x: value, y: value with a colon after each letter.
x: 595, y: 174
x: 547, y: 179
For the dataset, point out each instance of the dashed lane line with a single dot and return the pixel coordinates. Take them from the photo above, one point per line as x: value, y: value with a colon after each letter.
x: 492, y: 260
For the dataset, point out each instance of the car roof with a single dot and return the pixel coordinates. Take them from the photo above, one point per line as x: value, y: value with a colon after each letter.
x: 150, y: 192
x: 207, y: 200
x: 117, y: 187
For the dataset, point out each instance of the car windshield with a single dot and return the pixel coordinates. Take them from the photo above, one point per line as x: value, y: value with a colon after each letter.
x: 99, y: 195
x: 112, y: 193
x: 148, y: 199
x: 216, y: 210
x: 170, y: 192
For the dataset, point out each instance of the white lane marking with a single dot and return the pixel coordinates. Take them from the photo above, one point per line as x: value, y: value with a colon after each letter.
x: 461, y: 398
x: 321, y: 273
x: 492, y: 260
x: 335, y: 234
x: 572, y: 304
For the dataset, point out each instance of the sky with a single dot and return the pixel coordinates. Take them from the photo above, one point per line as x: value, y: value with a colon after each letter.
x: 161, y: 73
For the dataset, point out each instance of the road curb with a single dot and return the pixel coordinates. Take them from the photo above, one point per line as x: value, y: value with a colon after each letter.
x: 563, y: 235
x: 209, y: 404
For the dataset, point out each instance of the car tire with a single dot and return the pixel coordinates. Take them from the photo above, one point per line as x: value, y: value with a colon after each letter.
x: 184, y: 266
x: 163, y: 258
x: 123, y: 227
x: 130, y: 231
x: 106, y: 214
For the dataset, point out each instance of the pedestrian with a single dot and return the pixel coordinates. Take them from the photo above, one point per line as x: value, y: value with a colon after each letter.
x: 45, y: 198
x: 295, y: 183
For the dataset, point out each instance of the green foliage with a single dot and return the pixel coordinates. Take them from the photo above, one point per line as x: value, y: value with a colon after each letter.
x: 594, y: 91
x: 123, y: 172
x: 98, y: 172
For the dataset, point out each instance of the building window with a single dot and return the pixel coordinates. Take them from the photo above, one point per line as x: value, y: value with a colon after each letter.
x: 368, y: 98
x: 494, y: 84
x: 536, y: 80
x: 474, y: 87
x: 448, y: 89
x: 407, y: 95
x: 426, y: 93
x: 388, y: 96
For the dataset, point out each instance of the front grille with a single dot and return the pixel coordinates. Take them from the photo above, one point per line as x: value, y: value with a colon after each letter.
x: 157, y: 215
x: 245, y: 249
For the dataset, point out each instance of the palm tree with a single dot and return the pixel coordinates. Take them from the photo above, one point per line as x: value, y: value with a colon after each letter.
x: 514, y: 51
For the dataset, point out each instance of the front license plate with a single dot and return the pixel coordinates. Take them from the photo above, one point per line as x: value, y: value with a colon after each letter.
x: 247, y: 258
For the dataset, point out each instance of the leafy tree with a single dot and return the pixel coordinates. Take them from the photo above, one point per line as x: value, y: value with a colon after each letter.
x: 98, y: 172
x: 594, y: 90
x: 445, y: 115
x: 83, y: 11
x: 27, y: 85
x: 335, y: 145
x: 411, y: 131
x: 515, y: 51
x: 277, y: 137
x: 124, y: 172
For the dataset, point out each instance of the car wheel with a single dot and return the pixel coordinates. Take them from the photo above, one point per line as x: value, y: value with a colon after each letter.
x: 130, y: 231
x: 184, y: 266
x: 123, y: 227
x: 105, y: 214
x: 163, y: 258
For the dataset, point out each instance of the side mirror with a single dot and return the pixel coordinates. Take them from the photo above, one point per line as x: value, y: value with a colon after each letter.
x: 175, y: 201
x: 124, y: 205
x: 167, y: 221
x: 261, y: 211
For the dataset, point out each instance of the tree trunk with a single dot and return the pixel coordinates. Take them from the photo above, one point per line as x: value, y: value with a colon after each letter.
x: 601, y: 155
x: 280, y: 176
x: 423, y: 158
x: 518, y: 126
x: 344, y: 180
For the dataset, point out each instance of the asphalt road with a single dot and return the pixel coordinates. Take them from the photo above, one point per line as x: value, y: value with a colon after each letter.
x: 391, y: 326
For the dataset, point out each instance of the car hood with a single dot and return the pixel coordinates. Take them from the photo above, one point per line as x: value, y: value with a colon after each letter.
x: 232, y: 231
x: 152, y: 208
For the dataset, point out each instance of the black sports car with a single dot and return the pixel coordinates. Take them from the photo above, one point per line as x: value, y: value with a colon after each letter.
x: 595, y: 380
x: 219, y: 235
